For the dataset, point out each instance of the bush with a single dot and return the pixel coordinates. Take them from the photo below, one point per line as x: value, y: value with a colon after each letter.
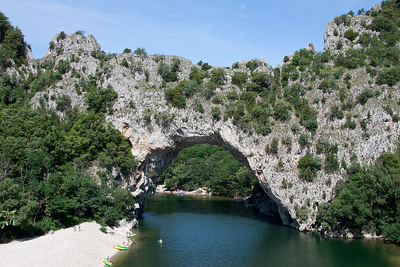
x: 293, y: 94
x: 168, y: 72
x: 101, y: 100
x: 253, y: 64
x: 351, y: 35
x: 189, y: 88
x: 63, y: 102
x: 303, y: 139
x: 336, y: 113
x: 343, y: 19
x: 140, y: 52
x: 209, y: 90
x: 127, y: 51
x: 196, y: 75
x: 364, y: 96
x: 389, y: 76
x: 175, y: 96
x: 295, y: 128
x: 282, y: 112
x: 273, y: 147
x: 261, y: 82
x: 327, y: 85
x: 61, y: 36
x: 309, y: 166
x: 239, y: 78
x: 197, y: 106
x: 13, y: 47
x: 218, y: 76
x: 216, y: 113
x: 331, y: 163
x: 205, y: 66
x: 309, y: 118
x: 164, y: 118
x: 217, y: 99
x: 63, y: 66
x: 353, y: 59
x: 124, y: 63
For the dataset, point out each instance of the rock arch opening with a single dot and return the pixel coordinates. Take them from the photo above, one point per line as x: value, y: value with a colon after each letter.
x: 157, y: 159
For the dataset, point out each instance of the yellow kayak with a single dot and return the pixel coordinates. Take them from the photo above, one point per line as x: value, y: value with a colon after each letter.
x: 121, y: 247
x: 106, y: 262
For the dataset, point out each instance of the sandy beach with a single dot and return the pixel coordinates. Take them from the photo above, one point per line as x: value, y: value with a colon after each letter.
x: 64, y: 247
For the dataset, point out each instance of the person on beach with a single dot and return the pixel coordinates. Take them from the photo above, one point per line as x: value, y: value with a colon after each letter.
x: 79, y: 227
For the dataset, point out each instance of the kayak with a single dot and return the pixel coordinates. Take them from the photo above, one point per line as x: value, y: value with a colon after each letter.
x: 106, y: 262
x: 121, y: 247
x: 132, y: 235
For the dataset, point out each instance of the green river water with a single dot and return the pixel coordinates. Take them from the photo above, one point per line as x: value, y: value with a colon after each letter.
x: 212, y: 231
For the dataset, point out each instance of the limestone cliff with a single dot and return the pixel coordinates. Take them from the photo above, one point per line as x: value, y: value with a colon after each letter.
x: 158, y: 131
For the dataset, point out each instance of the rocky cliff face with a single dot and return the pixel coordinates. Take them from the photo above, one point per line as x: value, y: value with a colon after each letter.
x: 158, y: 131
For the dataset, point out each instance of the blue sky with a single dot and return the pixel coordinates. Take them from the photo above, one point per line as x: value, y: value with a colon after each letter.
x: 220, y: 32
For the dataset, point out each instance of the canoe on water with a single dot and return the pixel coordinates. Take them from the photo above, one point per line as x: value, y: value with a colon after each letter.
x: 132, y: 235
x: 121, y: 247
x: 106, y: 262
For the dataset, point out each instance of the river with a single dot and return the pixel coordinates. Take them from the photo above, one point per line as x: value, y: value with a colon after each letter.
x: 213, y: 231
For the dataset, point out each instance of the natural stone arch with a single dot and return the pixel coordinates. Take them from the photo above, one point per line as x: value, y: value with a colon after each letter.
x: 157, y: 150
x: 156, y: 129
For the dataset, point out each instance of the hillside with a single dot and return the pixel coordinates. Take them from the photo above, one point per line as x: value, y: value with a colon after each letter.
x: 301, y: 128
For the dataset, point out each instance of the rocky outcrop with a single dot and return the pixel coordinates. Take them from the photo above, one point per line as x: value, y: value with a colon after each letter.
x: 334, y: 35
x: 157, y: 131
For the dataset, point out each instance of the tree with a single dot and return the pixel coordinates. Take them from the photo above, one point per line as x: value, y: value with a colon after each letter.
x: 13, y: 47
x: 140, y: 52
x: 216, y: 113
x: 351, y: 35
x: 80, y: 32
x: 7, y: 218
x: 218, y: 76
x: 239, y: 78
x: 309, y: 165
x: 124, y: 63
x: 101, y: 99
x: 253, y: 64
x: 127, y: 51
x: 261, y: 82
x: 282, y: 112
x: 175, y: 96
x: 63, y: 102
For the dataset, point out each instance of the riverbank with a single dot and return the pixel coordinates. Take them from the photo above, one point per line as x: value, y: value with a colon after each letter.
x: 65, y: 247
x: 199, y: 191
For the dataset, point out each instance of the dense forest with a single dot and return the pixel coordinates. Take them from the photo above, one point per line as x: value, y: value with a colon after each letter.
x: 211, y: 167
x: 45, y: 181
